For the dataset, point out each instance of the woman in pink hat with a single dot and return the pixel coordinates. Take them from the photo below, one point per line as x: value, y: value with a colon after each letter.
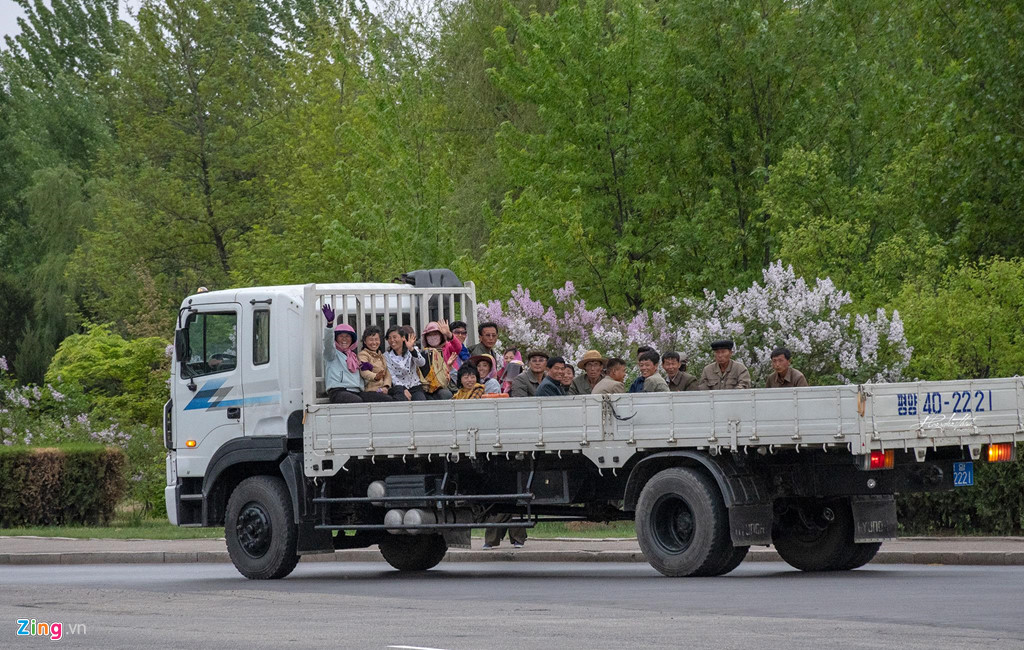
x: 342, y: 380
x: 441, y: 349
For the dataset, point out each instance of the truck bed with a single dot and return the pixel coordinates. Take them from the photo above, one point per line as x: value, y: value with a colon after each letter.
x: 609, y: 430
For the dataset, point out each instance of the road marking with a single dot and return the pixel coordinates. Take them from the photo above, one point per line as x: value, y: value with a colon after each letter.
x: 412, y: 647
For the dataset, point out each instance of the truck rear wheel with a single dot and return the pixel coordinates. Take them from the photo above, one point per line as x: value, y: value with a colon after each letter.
x: 819, y: 537
x: 862, y: 554
x: 682, y: 524
x: 259, y: 529
x: 413, y: 552
x: 734, y: 560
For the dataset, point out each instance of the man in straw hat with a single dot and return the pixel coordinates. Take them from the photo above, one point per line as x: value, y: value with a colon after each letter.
x: 592, y: 365
x: 724, y: 373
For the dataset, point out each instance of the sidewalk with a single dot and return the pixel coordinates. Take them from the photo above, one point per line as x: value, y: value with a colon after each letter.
x: 991, y: 551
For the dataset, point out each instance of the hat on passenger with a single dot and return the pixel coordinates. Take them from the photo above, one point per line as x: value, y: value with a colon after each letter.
x: 345, y: 328
x: 536, y: 353
x: 724, y: 344
x: 588, y: 356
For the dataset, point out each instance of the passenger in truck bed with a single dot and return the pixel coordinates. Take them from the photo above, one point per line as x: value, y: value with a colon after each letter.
x: 615, y: 371
x: 403, y: 359
x: 485, y: 366
x: 440, y: 349
x: 376, y: 376
x: 469, y: 383
x: 342, y: 366
x: 525, y: 385
x: 552, y: 384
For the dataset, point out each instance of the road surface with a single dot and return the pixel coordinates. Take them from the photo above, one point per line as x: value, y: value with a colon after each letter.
x: 516, y: 606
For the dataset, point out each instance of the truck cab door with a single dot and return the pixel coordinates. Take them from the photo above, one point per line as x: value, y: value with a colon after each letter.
x: 208, y: 381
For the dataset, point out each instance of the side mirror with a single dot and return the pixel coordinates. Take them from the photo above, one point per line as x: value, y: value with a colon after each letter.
x: 180, y: 345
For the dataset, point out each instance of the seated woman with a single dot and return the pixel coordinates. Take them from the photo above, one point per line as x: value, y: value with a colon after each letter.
x: 469, y: 383
x: 485, y: 367
x: 341, y: 365
x: 440, y: 353
x: 373, y: 368
x: 513, y: 368
x: 403, y: 359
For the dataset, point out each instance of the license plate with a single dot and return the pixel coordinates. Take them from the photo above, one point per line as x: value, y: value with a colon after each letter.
x: 963, y: 474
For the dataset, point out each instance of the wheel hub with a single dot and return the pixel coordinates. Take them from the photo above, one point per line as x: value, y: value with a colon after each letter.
x: 673, y: 523
x: 254, y: 530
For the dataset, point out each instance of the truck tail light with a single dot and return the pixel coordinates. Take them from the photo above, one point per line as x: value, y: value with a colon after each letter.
x: 883, y: 459
x: 1000, y: 452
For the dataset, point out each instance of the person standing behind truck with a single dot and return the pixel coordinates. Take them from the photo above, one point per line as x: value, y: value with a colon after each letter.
x: 785, y: 375
x: 403, y: 359
x: 376, y: 376
x: 724, y: 373
x: 342, y: 381
x: 525, y: 385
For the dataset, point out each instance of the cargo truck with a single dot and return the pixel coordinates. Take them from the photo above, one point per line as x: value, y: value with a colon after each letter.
x: 255, y: 446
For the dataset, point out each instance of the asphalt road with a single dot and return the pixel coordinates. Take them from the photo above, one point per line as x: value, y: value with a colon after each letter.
x: 516, y: 605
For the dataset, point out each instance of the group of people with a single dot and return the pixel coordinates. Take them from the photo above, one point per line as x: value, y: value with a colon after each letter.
x: 390, y: 366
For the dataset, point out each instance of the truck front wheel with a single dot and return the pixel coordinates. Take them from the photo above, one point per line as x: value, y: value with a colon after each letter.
x: 259, y: 529
x: 682, y: 524
x: 413, y: 552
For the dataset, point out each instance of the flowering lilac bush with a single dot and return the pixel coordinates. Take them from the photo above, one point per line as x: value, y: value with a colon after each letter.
x: 829, y: 344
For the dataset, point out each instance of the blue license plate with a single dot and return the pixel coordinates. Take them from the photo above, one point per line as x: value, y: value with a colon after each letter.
x: 963, y: 474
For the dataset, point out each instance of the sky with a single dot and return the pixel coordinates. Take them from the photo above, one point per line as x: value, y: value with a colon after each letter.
x: 9, y: 14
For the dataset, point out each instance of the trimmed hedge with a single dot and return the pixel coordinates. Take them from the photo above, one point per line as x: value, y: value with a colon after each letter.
x: 72, y: 484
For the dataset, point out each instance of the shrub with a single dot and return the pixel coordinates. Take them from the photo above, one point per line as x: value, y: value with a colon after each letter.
x: 56, y: 486
x: 125, y: 380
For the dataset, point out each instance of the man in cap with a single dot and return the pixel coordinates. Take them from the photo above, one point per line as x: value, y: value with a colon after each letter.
x: 592, y: 365
x: 785, y: 375
x: 551, y: 386
x: 724, y: 373
x: 675, y: 372
x: 525, y: 385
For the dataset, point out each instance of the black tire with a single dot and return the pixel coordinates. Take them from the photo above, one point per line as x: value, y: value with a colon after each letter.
x: 259, y: 528
x: 413, y: 552
x: 682, y: 524
x: 828, y: 548
x: 734, y: 560
x: 862, y: 554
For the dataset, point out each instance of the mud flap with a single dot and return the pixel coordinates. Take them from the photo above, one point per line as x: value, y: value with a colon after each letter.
x: 751, y: 525
x: 874, y: 518
x: 457, y: 538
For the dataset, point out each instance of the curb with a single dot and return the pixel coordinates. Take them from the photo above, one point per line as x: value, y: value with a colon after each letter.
x: 970, y: 558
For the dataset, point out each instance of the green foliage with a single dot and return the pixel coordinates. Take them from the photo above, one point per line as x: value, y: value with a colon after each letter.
x: 72, y: 484
x: 124, y: 379
x: 968, y: 325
